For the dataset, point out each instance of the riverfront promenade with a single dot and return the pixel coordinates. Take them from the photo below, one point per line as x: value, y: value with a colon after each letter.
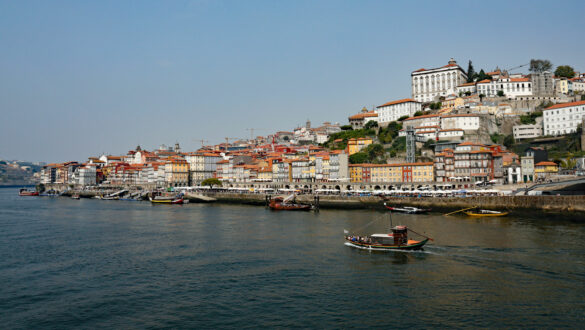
x: 343, y: 201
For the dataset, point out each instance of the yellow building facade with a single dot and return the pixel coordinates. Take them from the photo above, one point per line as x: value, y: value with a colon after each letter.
x: 356, y: 145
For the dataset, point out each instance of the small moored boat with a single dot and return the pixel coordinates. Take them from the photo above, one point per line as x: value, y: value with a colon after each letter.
x: 486, y: 213
x: 406, y: 209
x: 26, y: 192
x: 75, y: 196
x: 282, y: 204
x: 167, y: 200
x: 397, y: 240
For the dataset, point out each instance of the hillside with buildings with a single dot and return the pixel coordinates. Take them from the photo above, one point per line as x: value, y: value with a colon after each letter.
x: 458, y: 127
x: 19, y: 173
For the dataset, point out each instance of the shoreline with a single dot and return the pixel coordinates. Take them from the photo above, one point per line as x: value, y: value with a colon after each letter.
x: 571, y: 204
x: 549, y: 203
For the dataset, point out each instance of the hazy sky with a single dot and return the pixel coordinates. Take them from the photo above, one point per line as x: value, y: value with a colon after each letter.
x: 78, y: 78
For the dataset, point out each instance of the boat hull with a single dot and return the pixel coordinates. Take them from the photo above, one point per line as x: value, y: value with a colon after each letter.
x: 167, y: 201
x: 28, y: 193
x: 409, y: 211
x: 471, y: 214
x: 280, y: 207
x: 289, y: 206
x: 412, y: 245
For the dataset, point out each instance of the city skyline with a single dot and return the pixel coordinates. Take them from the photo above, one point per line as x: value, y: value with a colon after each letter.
x: 80, y: 79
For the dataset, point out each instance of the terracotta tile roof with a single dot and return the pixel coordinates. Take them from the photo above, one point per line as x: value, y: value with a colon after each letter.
x: 396, y: 102
x: 421, y: 117
x: 519, y: 79
x: 485, y: 81
x: 460, y: 115
x: 363, y: 115
x: 566, y: 105
x: 546, y: 164
x: 392, y: 165
x: 467, y: 84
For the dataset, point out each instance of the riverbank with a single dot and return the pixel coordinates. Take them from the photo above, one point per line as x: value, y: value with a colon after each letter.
x: 526, y: 203
x: 549, y: 203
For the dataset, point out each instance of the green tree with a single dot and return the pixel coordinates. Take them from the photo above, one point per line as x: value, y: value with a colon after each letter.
x: 470, y: 72
x: 418, y: 113
x: 371, y: 124
x: 211, y: 182
x: 358, y: 158
x: 435, y: 106
x: 565, y: 71
x: 509, y: 141
x: 530, y: 118
x: 540, y: 65
x: 501, y: 93
x: 483, y: 76
x: 402, y: 118
x: 568, y: 163
x: 429, y: 143
x: 467, y: 93
x: 497, y: 138
x: 374, y: 151
x: 346, y: 128
x: 388, y: 133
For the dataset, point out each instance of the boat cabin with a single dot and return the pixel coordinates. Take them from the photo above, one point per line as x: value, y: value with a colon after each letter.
x: 400, y: 234
x: 383, y: 239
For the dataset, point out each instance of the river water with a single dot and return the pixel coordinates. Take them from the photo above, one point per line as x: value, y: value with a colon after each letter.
x: 88, y: 263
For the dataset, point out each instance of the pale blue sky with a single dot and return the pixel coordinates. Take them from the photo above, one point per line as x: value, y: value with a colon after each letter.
x: 78, y: 78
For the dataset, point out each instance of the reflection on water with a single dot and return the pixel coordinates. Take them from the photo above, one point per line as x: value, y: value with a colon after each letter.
x: 91, y: 263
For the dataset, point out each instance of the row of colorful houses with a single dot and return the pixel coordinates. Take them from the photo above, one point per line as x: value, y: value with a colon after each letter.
x: 465, y: 162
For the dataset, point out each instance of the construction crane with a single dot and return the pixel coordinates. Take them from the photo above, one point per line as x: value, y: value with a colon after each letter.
x: 201, y: 141
x: 252, y: 132
x: 227, y: 139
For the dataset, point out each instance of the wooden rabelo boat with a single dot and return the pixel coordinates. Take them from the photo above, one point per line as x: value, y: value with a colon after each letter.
x: 397, y: 240
x: 284, y: 204
x: 26, y: 192
x: 167, y: 200
x: 406, y: 209
x: 486, y: 213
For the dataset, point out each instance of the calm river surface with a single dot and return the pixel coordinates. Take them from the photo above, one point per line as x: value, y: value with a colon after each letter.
x: 113, y: 264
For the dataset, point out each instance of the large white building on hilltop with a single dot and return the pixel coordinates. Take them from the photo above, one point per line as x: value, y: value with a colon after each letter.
x: 393, y: 110
x: 511, y: 87
x: 427, y: 84
x: 563, y: 118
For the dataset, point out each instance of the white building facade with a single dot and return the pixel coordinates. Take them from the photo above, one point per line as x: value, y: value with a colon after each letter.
x: 527, y: 131
x: 511, y: 87
x: 393, y: 110
x: 428, y: 84
x: 463, y: 121
x: 563, y: 118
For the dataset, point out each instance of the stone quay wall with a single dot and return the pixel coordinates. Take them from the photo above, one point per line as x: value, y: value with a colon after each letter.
x: 527, y: 203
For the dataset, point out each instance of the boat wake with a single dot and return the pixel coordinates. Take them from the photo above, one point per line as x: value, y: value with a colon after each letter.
x: 387, y: 250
